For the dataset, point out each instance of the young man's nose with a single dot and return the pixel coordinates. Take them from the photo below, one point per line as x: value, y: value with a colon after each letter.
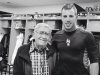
x: 68, y: 18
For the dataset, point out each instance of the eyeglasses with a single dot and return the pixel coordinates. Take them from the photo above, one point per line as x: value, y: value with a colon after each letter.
x: 43, y: 33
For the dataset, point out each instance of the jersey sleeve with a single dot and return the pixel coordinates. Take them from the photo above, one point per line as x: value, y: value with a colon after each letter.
x: 92, y: 48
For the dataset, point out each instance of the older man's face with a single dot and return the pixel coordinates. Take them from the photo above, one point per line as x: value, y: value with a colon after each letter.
x: 42, y: 36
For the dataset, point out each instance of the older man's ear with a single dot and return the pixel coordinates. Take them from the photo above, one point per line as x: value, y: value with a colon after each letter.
x: 31, y: 38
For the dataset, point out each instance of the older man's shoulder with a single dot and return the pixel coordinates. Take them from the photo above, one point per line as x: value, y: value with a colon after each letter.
x: 24, y: 46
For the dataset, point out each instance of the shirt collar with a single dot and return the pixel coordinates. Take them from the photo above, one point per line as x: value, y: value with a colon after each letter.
x: 32, y: 48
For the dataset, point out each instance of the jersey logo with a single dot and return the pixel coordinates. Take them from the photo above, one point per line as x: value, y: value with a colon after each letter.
x: 68, y: 42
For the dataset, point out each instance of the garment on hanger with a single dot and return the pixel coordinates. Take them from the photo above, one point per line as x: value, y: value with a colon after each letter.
x: 1, y: 36
x: 19, y: 42
x: 5, y: 43
x: 2, y: 60
x: 5, y: 40
x: 1, y: 50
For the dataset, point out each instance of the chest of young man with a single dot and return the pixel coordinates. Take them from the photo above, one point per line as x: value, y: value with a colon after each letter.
x: 74, y: 42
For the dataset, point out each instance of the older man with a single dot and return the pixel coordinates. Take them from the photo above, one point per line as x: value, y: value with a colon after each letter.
x: 37, y: 57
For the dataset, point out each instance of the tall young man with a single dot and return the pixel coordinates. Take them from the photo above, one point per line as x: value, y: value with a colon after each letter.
x: 70, y: 44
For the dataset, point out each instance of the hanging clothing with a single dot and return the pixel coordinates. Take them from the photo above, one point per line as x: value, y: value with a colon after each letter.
x: 19, y: 42
x: 1, y: 50
x: 5, y: 43
x: 2, y: 64
x: 4, y: 47
x: 1, y: 36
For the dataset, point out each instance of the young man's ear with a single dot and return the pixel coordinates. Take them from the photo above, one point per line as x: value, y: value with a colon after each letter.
x: 76, y: 15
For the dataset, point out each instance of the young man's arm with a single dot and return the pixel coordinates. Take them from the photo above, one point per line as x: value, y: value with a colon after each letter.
x: 93, y: 53
x: 94, y: 69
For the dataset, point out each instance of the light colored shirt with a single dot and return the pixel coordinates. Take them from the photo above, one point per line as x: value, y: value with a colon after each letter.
x: 39, y: 62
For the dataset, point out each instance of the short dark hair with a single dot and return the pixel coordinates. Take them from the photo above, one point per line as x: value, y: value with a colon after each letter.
x: 68, y: 7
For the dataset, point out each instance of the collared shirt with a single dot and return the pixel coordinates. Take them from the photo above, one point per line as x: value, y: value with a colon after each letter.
x: 39, y: 61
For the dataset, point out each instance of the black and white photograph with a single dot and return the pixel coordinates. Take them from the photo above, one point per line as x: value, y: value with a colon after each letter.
x: 49, y: 37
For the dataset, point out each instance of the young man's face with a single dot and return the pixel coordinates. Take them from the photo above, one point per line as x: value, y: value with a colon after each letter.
x: 42, y: 36
x: 68, y: 19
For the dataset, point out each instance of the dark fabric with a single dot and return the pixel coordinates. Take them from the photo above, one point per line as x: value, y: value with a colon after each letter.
x: 4, y: 49
x: 69, y: 69
x: 5, y: 43
x: 71, y: 56
x: 22, y: 63
x: 29, y: 38
x: 1, y: 50
x: 3, y: 62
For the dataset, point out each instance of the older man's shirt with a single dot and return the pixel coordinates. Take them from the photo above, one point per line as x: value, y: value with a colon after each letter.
x: 39, y: 61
